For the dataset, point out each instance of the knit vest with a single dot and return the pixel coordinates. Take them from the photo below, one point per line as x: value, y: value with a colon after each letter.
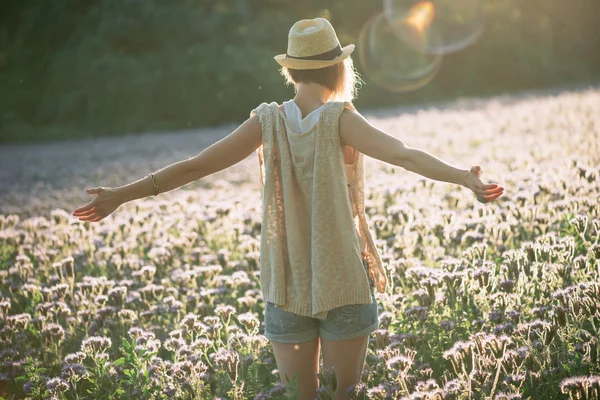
x: 310, y: 255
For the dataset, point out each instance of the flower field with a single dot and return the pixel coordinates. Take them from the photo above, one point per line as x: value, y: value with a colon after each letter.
x: 162, y: 299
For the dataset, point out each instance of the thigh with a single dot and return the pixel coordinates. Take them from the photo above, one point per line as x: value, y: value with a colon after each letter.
x: 344, y: 340
x: 298, y: 362
x: 347, y: 358
x: 295, y: 341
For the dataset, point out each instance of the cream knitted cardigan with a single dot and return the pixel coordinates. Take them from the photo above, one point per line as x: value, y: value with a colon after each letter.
x: 310, y: 256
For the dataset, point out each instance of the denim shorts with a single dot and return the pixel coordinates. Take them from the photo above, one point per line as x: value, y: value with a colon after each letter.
x: 342, y: 323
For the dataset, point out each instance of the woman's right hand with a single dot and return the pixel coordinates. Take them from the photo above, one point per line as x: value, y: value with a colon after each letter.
x: 485, y: 193
x: 106, y: 201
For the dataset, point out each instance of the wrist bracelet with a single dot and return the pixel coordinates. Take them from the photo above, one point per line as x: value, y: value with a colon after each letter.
x: 155, y: 184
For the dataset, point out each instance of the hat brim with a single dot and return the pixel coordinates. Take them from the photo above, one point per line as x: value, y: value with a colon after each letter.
x: 295, y: 63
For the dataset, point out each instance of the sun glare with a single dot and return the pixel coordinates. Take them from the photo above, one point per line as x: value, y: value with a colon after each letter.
x: 421, y: 15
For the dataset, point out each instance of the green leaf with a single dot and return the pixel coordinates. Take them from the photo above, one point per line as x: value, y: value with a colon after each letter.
x: 119, y: 362
x: 155, y: 388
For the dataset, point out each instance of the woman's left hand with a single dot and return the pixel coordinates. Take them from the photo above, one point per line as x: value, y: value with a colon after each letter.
x: 485, y: 193
x: 106, y: 201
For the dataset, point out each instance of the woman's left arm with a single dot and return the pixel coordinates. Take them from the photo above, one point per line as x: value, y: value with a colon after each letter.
x: 221, y: 155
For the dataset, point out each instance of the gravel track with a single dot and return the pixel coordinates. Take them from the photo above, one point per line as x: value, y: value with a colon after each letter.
x: 37, y: 178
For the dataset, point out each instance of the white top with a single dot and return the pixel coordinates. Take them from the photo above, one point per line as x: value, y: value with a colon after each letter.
x: 294, y: 118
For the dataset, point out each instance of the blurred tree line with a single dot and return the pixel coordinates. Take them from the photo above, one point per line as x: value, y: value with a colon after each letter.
x: 75, y: 68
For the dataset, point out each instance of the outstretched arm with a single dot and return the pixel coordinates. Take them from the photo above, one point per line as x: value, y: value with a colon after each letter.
x: 357, y: 132
x: 219, y: 156
x: 227, y: 152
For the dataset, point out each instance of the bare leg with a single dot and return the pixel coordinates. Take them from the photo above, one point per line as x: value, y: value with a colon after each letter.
x: 347, y: 357
x: 301, y: 359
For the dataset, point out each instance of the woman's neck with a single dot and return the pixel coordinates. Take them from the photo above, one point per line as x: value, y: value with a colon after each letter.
x: 310, y: 96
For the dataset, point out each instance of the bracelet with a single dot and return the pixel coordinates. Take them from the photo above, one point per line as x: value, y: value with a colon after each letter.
x: 155, y: 184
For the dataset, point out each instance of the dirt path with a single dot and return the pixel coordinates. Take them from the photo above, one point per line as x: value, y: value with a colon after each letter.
x: 36, y: 178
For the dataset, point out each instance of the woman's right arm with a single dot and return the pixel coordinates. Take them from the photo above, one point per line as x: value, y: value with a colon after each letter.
x: 357, y: 132
x: 221, y: 155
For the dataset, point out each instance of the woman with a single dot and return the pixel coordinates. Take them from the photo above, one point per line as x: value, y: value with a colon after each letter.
x: 319, y: 265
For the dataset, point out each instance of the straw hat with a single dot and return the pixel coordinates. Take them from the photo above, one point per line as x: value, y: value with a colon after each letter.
x: 312, y: 44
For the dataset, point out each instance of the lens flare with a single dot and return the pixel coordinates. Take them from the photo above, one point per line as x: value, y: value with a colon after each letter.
x: 421, y: 15
x: 388, y: 60
x: 413, y: 26
x: 436, y: 26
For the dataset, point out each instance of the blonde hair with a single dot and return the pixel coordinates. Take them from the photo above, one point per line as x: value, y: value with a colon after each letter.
x: 341, y: 78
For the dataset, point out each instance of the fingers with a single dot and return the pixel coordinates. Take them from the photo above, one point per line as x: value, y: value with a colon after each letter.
x: 481, y: 186
x: 88, y: 217
x: 92, y: 218
x: 98, y: 218
x: 481, y: 193
x: 485, y: 190
x: 85, y: 212
x: 89, y: 206
x: 498, y: 189
x: 93, y: 215
x: 489, y: 186
x: 94, y: 190
x: 489, y: 197
x: 85, y: 208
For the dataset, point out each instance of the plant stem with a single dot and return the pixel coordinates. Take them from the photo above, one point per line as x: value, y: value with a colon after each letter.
x: 497, y: 373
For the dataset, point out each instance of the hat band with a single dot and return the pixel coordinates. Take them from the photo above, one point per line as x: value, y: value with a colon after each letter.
x: 328, y: 55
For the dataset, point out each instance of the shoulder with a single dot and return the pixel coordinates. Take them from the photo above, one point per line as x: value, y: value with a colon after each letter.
x: 351, y: 118
x: 353, y: 128
x: 253, y: 121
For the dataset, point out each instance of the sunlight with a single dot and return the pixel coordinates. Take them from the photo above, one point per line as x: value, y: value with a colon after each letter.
x: 421, y: 15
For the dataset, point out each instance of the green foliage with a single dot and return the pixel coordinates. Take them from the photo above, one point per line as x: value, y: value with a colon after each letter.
x: 79, y: 69
x: 6, y: 253
x: 33, y: 379
x: 136, y: 379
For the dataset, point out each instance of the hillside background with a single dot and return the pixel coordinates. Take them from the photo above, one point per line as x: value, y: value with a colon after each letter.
x: 86, y: 68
